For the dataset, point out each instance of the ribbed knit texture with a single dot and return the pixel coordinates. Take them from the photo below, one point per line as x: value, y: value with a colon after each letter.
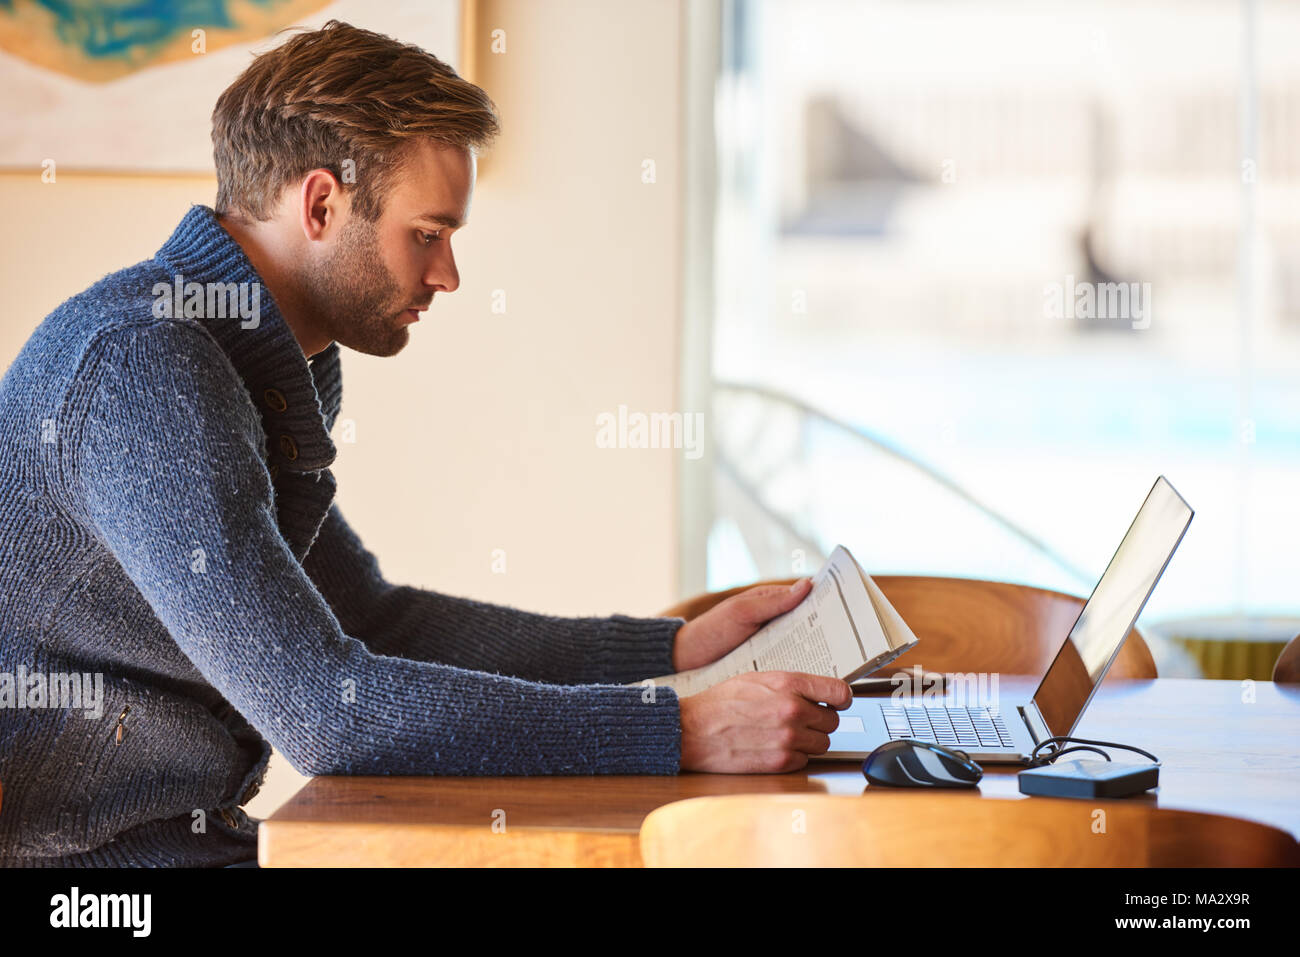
x: 157, y: 527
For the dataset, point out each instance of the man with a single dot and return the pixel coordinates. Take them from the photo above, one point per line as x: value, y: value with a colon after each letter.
x: 169, y: 533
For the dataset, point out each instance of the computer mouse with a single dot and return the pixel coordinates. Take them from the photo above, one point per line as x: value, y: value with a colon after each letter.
x: 907, y: 763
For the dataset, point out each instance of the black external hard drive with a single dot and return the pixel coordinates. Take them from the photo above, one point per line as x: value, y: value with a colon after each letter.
x: 1090, y: 779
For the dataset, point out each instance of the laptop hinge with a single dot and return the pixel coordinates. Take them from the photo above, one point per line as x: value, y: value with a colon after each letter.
x: 1033, y: 719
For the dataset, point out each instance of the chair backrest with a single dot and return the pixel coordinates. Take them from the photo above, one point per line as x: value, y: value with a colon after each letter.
x: 1287, y: 669
x: 925, y: 829
x: 969, y: 625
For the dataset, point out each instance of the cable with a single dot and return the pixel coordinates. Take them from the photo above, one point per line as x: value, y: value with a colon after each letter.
x: 1037, y: 761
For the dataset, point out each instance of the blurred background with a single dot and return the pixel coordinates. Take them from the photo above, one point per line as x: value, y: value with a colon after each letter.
x: 904, y: 191
x: 847, y: 232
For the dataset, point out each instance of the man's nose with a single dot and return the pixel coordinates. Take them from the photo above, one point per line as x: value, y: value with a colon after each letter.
x: 442, y: 275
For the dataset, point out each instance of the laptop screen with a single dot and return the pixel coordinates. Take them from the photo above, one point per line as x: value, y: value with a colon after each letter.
x: 1111, y: 612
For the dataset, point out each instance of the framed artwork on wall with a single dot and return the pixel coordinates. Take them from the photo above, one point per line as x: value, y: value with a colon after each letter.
x: 128, y: 86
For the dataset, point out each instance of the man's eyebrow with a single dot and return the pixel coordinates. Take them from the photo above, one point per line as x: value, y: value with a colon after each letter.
x: 441, y: 219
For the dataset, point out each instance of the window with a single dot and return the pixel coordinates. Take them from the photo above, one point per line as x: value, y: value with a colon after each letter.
x: 982, y: 271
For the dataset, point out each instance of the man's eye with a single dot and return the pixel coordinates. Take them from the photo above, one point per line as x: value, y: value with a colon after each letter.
x: 429, y: 238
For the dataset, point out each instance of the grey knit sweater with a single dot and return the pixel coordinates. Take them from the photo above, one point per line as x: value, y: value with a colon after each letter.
x: 167, y: 529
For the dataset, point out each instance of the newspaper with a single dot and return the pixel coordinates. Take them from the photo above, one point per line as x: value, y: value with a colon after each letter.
x: 844, y: 628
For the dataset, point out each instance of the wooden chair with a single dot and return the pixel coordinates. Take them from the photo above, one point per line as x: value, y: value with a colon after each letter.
x: 926, y: 829
x: 1287, y: 669
x: 967, y: 625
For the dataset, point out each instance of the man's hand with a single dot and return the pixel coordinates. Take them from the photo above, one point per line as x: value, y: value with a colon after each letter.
x: 703, y: 640
x: 764, y: 721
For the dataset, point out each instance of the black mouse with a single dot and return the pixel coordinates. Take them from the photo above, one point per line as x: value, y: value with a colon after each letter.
x: 908, y: 763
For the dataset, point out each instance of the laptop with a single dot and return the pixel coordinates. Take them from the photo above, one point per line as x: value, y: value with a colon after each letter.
x: 993, y: 732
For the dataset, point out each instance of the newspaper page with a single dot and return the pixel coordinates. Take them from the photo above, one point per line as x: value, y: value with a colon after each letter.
x: 844, y: 628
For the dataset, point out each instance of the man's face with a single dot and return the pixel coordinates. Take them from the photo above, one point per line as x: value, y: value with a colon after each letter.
x: 367, y: 290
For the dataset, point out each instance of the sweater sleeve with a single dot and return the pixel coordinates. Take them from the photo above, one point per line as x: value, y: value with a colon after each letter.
x: 410, y: 622
x: 167, y: 457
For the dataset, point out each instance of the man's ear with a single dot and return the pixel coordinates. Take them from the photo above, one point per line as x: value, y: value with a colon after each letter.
x: 322, y: 206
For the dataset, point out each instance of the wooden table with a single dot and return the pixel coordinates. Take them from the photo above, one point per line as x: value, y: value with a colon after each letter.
x: 1220, y: 753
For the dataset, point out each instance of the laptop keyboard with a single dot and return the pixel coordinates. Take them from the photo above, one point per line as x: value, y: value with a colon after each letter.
x: 951, y: 727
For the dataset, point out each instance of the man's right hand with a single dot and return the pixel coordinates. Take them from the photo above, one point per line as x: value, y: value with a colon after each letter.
x: 765, y: 721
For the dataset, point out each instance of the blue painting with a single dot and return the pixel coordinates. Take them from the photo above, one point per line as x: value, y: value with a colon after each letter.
x: 129, y: 85
x: 103, y: 40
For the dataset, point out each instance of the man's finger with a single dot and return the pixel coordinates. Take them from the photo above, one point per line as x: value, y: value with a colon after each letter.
x: 767, y: 601
x: 822, y: 718
x: 817, y: 688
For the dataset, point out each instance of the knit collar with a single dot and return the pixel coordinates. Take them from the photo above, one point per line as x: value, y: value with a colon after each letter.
x: 298, y: 399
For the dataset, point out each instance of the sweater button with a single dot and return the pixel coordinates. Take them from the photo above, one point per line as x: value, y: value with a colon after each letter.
x: 288, y: 447
x: 275, y: 399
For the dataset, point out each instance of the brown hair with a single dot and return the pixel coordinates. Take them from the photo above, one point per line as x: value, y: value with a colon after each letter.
x: 331, y: 95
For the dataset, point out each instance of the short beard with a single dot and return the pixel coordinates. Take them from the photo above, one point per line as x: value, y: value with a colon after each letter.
x: 354, y: 299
